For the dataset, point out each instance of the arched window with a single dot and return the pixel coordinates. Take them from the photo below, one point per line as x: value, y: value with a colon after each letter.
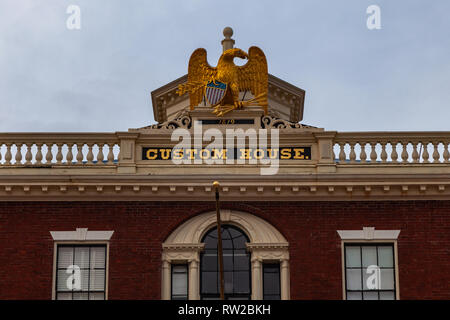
x: 236, y: 264
x: 256, y: 259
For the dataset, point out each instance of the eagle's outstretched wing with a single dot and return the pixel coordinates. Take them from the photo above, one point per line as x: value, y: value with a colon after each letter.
x: 199, y: 73
x: 254, y: 76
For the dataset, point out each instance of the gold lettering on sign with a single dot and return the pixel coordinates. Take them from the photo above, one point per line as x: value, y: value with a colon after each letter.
x: 165, y: 154
x: 220, y: 154
x: 299, y: 153
x: 149, y: 154
x: 286, y: 153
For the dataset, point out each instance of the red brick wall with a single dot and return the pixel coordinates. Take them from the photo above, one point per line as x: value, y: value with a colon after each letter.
x: 26, y: 247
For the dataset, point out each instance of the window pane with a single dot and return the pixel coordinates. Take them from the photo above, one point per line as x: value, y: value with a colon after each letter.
x: 371, y: 295
x: 271, y: 281
x: 353, y: 279
x: 64, y: 296
x: 369, y: 256
x: 80, y: 296
x: 98, y: 258
x: 354, y: 296
x: 209, y: 262
x: 374, y: 275
x: 179, y: 280
x: 227, y: 244
x: 353, y: 256
x: 228, y: 276
x: 65, y: 257
x: 209, y: 282
x: 241, y: 282
x: 241, y: 262
x: 62, y: 280
x: 387, y: 279
x: 82, y: 257
x: 387, y: 295
x: 386, y: 256
x: 97, y: 281
x: 84, y: 280
x: 96, y: 296
x: 228, y: 260
x: 239, y: 242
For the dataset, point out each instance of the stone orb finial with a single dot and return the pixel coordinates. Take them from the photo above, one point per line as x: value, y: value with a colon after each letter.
x: 228, y: 32
x: 227, y: 43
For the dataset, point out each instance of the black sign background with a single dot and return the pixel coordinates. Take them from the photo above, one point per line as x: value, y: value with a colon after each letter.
x: 282, y: 153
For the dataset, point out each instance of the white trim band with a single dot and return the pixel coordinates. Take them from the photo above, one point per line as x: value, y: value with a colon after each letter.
x: 81, y: 234
x: 368, y: 233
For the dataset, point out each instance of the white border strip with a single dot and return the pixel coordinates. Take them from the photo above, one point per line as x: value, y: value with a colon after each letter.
x: 368, y: 233
x: 81, y: 234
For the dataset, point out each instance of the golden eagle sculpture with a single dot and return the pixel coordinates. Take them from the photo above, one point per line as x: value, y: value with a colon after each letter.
x: 220, y: 86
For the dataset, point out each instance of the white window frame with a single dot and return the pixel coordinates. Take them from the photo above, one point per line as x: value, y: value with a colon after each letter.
x: 80, y: 237
x: 372, y: 236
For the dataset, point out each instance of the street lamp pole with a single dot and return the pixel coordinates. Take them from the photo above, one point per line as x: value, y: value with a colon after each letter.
x: 219, y: 240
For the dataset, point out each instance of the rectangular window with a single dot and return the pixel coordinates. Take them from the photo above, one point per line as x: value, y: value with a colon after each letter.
x: 179, y: 282
x: 369, y: 271
x: 271, y: 281
x: 80, y: 272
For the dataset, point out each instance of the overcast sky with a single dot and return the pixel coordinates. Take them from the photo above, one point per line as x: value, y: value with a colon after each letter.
x: 99, y: 78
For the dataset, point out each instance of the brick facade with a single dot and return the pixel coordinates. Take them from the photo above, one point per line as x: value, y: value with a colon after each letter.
x: 26, y: 258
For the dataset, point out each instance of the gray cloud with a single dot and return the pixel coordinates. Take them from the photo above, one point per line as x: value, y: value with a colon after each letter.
x: 99, y: 78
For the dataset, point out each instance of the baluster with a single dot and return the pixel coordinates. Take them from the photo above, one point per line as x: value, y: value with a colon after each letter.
x: 90, y: 155
x: 8, y: 155
x: 111, y: 153
x: 363, y: 155
x: 80, y: 153
x: 59, y: 155
x: 425, y: 155
x: 39, y: 153
x: 436, y: 154
x: 118, y: 155
x: 69, y: 156
x: 100, y: 156
x: 341, y: 152
x: 446, y: 153
x: 373, y: 153
x: 49, y: 155
x: 19, y: 154
x: 394, y: 154
x: 333, y: 155
x: 383, y: 155
x: 1, y: 145
x: 352, y: 152
x: 28, y: 154
x: 404, y: 151
x: 415, y: 154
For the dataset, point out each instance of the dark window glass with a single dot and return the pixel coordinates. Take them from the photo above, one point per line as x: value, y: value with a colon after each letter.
x: 179, y: 282
x: 369, y: 271
x: 80, y: 272
x: 271, y: 281
x: 236, y: 262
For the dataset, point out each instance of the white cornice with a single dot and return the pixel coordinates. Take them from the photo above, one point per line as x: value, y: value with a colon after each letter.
x: 368, y: 233
x: 81, y: 234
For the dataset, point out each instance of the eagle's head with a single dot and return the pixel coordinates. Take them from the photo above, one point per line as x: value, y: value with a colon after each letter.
x: 230, y: 54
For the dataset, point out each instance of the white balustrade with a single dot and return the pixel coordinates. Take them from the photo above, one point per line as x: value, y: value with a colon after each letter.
x: 27, y: 150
